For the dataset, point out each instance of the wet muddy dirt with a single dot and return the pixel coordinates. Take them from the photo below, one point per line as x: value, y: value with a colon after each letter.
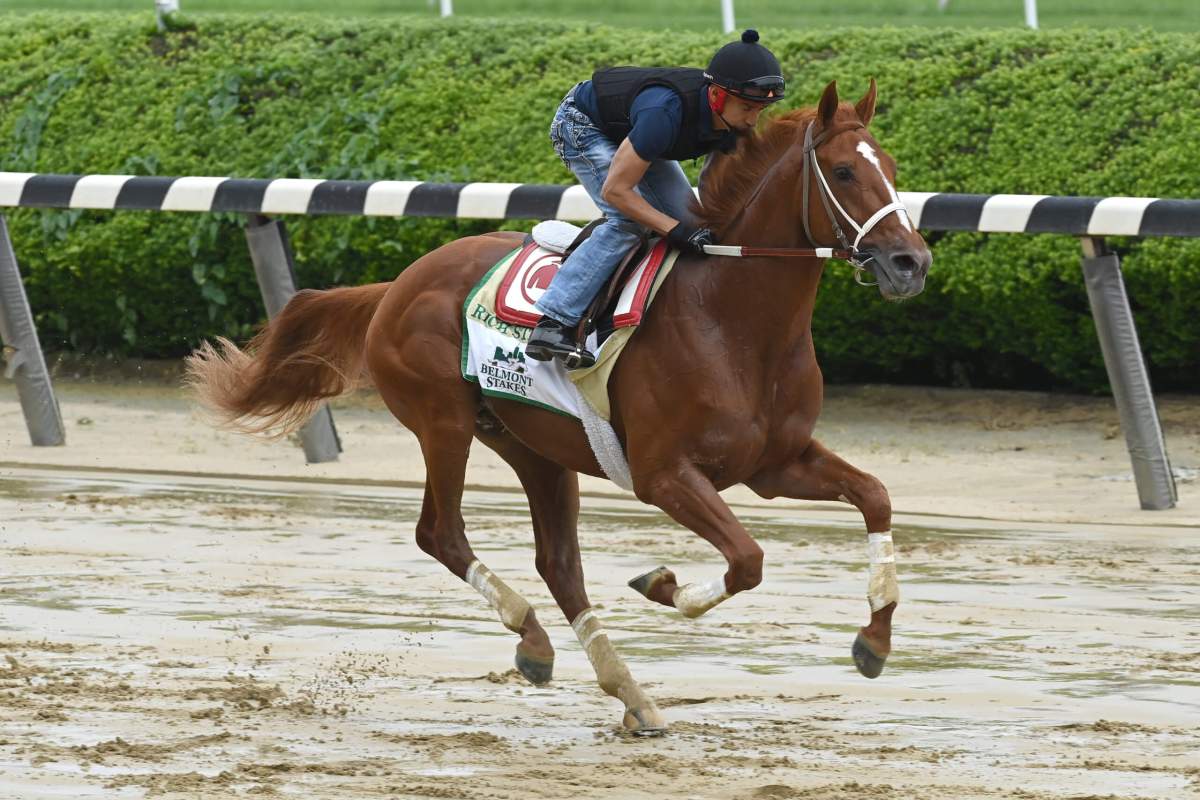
x: 175, y: 637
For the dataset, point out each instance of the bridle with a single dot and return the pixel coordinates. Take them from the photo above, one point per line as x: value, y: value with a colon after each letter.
x: 829, y: 198
x: 849, y: 251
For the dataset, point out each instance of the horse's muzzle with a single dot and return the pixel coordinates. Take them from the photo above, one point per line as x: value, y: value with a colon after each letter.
x: 901, y: 271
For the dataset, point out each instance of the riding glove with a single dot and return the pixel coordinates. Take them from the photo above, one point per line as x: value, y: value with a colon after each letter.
x: 688, y: 236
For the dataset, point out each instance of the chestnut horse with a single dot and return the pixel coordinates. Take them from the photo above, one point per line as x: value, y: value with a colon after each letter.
x: 720, y: 386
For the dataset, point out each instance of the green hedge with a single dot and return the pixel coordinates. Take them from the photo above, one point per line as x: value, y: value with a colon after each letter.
x: 1073, y: 113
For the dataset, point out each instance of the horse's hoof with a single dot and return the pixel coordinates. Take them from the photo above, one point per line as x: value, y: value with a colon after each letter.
x: 537, y: 671
x: 865, y: 659
x: 645, y: 722
x: 642, y: 584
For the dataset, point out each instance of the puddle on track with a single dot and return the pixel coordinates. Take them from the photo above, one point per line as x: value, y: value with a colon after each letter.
x: 300, y: 623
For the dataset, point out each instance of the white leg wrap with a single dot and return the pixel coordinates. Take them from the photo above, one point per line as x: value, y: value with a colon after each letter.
x: 589, y: 632
x: 882, y: 588
x: 694, y: 599
x: 612, y: 673
x: 510, y: 605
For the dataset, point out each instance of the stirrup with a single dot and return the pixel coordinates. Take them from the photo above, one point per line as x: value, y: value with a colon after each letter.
x: 578, y: 358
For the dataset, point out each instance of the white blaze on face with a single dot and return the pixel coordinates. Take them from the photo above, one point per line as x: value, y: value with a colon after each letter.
x: 869, y: 154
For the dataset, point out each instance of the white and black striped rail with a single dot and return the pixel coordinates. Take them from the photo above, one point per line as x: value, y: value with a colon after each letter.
x: 1090, y: 218
x: 1001, y: 213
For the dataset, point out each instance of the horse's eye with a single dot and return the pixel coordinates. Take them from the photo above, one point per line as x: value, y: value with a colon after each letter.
x: 843, y: 173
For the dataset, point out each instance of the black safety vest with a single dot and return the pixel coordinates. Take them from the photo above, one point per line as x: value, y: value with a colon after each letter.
x: 616, y: 87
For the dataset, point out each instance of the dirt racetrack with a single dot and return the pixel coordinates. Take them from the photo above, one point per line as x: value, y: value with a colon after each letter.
x: 187, y: 614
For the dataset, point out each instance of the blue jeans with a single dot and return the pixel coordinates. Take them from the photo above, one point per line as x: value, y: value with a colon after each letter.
x: 587, y: 152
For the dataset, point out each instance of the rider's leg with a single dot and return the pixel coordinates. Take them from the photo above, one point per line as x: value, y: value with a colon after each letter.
x: 589, y: 153
x: 585, y: 272
x: 581, y: 277
x: 818, y: 474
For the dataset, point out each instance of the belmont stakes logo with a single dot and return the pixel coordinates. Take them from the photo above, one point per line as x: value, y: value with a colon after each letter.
x: 506, y: 372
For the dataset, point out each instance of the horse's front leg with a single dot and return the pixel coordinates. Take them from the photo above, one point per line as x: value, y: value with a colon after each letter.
x: 690, y: 499
x: 818, y: 474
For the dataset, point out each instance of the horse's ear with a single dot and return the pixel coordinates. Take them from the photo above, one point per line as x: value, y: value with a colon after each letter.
x: 866, y: 106
x: 829, y: 104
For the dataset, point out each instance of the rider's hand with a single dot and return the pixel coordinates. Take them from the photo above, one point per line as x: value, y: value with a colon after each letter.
x: 688, y: 237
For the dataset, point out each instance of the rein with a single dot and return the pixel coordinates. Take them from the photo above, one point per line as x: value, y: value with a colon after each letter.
x: 738, y: 251
x: 849, y: 251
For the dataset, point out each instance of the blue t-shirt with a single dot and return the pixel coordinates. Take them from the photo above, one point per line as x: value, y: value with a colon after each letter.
x: 656, y: 114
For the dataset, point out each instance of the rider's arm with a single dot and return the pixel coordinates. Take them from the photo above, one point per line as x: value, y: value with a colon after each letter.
x: 655, y: 115
x: 625, y: 173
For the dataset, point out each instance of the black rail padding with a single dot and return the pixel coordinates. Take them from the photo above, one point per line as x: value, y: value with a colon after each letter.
x: 1171, y: 218
x: 240, y: 194
x: 49, y: 191
x: 434, y: 200
x: 143, y: 194
x: 953, y: 212
x: 534, y: 201
x: 1061, y: 215
x: 339, y: 197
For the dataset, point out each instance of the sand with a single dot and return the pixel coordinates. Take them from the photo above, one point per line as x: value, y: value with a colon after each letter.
x: 187, y: 613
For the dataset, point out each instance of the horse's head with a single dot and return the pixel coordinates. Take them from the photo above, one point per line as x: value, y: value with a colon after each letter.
x: 849, y: 196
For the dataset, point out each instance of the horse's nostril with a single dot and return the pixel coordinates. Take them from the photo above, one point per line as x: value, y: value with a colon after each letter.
x: 904, y: 262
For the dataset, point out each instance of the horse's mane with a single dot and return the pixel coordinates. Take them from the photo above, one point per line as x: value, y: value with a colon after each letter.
x: 731, y: 178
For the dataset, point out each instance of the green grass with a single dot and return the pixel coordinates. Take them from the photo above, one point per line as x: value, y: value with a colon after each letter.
x: 1163, y: 15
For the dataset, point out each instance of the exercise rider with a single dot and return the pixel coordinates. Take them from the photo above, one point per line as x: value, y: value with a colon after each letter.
x: 623, y: 133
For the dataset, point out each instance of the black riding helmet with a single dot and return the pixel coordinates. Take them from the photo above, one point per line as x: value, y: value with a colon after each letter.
x: 747, y: 69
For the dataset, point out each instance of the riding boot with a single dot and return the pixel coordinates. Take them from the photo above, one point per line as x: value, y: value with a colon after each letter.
x: 551, y: 339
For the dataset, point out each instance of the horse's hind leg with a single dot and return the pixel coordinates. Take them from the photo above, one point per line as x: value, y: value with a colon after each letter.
x: 818, y: 474
x: 553, y: 493
x: 445, y: 428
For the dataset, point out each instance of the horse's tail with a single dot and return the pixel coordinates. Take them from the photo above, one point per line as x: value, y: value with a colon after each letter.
x: 313, y: 350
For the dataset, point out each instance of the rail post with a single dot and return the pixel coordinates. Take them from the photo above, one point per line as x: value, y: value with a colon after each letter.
x: 1128, y: 376
x: 272, y: 256
x: 26, y: 366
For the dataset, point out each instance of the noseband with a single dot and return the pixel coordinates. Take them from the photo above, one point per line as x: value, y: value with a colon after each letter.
x: 856, y: 258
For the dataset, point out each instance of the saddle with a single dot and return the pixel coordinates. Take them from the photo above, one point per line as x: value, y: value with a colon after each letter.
x: 501, y: 310
x: 563, y: 237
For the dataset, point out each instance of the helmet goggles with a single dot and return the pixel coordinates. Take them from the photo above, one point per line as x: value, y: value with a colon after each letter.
x: 766, y: 89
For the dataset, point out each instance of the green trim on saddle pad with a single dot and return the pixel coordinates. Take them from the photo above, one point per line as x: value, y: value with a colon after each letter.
x: 467, y: 304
